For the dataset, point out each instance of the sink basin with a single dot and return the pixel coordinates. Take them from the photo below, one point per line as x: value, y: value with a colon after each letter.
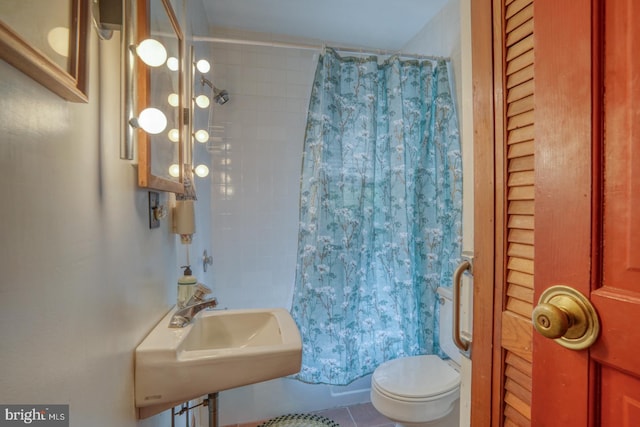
x: 220, y: 349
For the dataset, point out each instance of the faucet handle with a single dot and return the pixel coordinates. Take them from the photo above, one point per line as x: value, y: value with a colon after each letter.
x: 198, y: 294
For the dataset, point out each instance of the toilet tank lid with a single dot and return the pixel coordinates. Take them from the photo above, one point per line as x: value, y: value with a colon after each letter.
x: 416, y: 377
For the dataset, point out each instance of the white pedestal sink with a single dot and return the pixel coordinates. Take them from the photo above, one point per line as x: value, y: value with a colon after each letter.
x: 220, y: 349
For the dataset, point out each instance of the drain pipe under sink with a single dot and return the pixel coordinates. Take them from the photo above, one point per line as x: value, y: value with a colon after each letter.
x: 212, y: 403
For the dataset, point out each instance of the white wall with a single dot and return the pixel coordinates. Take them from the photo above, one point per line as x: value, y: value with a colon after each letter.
x: 441, y: 37
x: 82, y: 277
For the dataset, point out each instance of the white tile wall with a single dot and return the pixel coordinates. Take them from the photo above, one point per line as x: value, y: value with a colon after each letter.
x: 254, y: 198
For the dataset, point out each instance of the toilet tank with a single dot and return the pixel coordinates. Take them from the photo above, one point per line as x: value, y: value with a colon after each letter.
x: 445, y: 317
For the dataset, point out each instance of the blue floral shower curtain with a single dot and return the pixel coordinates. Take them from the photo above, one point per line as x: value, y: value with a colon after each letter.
x: 380, y: 213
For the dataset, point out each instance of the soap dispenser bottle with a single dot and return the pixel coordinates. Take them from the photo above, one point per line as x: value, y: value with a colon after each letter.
x: 186, y: 286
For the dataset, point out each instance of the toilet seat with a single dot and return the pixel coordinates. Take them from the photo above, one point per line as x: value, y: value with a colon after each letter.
x: 415, y: 379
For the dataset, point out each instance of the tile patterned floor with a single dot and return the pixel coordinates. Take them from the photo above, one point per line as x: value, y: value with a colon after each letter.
x: 362, y: 415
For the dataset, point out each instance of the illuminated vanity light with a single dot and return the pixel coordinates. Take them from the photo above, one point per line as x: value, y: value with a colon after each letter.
x: 172, y: 63
x: 202, y: 136
x: 201, y: 171
x: 174, y: 170
x: 152, y: 52
x: 174, y: 135
x: 152, y: 120
x: 202, y: 101
x: 203, y: 66
x: 173, y: 99
x: 58, y: 39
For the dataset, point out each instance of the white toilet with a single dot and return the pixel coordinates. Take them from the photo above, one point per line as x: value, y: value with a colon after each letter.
x: 422, y: 391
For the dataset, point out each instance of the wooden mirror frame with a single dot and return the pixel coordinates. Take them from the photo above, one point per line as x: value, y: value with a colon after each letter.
x: 70, y: 84
x: 146, y: 178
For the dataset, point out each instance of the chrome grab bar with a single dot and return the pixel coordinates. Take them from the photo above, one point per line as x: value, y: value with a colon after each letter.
x: 463, y: 344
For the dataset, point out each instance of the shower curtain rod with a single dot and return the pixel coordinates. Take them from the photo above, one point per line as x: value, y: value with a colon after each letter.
x: 287, y: 45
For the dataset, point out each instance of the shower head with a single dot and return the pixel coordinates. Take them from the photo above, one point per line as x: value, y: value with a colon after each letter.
x: 219, y: 96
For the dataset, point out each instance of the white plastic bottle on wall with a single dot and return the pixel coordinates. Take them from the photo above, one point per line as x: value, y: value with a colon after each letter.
x: 186, y: 286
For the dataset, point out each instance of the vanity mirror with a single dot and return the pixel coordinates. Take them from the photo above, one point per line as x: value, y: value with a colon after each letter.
x: 154, y: 92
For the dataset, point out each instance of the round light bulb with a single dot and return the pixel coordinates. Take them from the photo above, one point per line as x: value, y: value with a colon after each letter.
x: 174, y: 135
x: 203, y: 66
x: 202, y: 136
x: 152, y: 52
x: 173, y: 99
x: 202, y: 101
x: 152, y: 120
x: 174, y: 170
x: 58, y: 39
x: 201, y: 171
x: 172, y: 63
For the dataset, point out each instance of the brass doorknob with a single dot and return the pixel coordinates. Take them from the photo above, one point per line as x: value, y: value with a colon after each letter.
x: 551, y: 321
x: 567, y: 316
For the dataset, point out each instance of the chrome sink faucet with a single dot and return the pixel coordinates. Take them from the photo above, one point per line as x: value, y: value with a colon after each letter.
x: 195, y: 305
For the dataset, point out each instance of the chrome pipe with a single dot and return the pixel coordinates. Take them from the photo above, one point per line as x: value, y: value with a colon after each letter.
x: 212, y: 403
x: 128, y: 91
